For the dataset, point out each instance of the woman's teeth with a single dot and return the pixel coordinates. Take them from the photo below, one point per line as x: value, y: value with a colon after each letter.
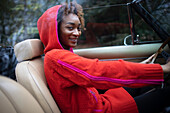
x: 73, y: 40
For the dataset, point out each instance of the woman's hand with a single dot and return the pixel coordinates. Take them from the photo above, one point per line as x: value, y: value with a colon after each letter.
x: 149, y: 60
x: 166, y: 67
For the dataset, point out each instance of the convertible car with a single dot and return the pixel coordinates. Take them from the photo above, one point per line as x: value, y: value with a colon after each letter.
x: 30, y: 92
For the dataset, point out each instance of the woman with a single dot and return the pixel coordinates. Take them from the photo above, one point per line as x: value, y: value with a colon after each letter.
x: 74, y: 80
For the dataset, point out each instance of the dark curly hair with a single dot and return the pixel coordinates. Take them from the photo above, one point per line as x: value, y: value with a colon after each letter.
x: 66, y: 9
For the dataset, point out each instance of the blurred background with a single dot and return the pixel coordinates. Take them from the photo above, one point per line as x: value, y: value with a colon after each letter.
x: 106, y: 21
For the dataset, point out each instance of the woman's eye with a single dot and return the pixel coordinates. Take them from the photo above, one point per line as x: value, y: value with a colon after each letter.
x: 79, y: 28
x: 70, y: 28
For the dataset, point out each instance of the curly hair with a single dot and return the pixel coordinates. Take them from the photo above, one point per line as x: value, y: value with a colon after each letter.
x: 72, y: 7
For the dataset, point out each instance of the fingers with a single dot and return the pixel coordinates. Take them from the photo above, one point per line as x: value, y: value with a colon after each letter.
x: 154, y: 57
x: 149, y: 60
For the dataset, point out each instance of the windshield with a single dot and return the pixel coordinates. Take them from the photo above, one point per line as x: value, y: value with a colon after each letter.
x: 108, y: 24
x: 160, y: 10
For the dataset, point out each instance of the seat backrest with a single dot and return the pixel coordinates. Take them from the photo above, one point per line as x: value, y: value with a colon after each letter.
x: 14, y: 98
x: 30, y: 73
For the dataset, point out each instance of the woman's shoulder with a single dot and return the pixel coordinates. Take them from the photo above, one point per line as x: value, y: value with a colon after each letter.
x: 53, y: 51
x: 56, y: 53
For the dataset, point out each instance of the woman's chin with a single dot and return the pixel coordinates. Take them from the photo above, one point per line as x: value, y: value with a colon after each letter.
x: 73, y: 45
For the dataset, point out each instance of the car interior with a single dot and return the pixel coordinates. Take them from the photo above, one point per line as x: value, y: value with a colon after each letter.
x: 30, y: 93
x: 30, y: 81
x: 30, y: 73
x: 16, y: 99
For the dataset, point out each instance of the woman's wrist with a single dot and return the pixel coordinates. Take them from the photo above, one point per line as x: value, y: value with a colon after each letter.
x: 165, y: 68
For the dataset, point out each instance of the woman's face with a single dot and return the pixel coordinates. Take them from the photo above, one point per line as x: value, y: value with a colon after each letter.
x: 70, y: 30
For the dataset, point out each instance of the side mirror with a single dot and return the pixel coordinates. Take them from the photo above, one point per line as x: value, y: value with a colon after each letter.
x: 128, y: 40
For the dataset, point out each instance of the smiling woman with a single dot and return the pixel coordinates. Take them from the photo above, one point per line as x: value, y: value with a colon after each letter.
x: 75, y: 81
x: 69, y: 31
x: 70, y: 23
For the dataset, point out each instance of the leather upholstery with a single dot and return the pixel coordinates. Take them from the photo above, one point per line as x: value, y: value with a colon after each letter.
x: 14, y: 98
x: 30, y: 73
x: 28, y: 49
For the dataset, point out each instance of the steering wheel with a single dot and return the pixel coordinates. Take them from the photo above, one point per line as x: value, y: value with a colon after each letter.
x: 166, y: 56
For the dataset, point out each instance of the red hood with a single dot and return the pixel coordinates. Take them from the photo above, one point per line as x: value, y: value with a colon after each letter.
x: 48, y: 29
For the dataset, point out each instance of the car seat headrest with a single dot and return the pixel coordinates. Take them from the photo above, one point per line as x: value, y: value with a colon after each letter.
x: 28, y: 49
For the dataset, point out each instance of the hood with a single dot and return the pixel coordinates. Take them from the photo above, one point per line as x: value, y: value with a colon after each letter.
x: 48, y: 29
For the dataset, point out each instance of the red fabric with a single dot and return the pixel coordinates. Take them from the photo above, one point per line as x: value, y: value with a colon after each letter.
x: 73, y: 80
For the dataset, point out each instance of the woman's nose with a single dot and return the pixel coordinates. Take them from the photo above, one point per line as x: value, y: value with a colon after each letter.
x: 76, y: 32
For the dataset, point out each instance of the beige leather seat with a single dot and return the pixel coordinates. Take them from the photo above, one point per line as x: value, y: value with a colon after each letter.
x: 14, y: 98
x: 30, y: 73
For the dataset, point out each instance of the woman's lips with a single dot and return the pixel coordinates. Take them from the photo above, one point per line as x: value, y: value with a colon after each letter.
x: 73, y: 40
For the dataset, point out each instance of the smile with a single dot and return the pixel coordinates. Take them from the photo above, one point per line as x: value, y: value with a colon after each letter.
x: 73, y: 40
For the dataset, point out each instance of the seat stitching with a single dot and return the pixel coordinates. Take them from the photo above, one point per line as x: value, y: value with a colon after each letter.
x: 37, y: 86
x: 11, y: 101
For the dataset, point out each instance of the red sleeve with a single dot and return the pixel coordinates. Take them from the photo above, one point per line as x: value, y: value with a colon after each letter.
x: 103, y: 74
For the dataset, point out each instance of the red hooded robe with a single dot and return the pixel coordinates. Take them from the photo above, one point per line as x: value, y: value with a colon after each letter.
x: 74, y: 80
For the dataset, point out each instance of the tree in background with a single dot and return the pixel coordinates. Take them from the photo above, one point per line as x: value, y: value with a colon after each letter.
x: 6, y: 20
x: 18, y: 18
